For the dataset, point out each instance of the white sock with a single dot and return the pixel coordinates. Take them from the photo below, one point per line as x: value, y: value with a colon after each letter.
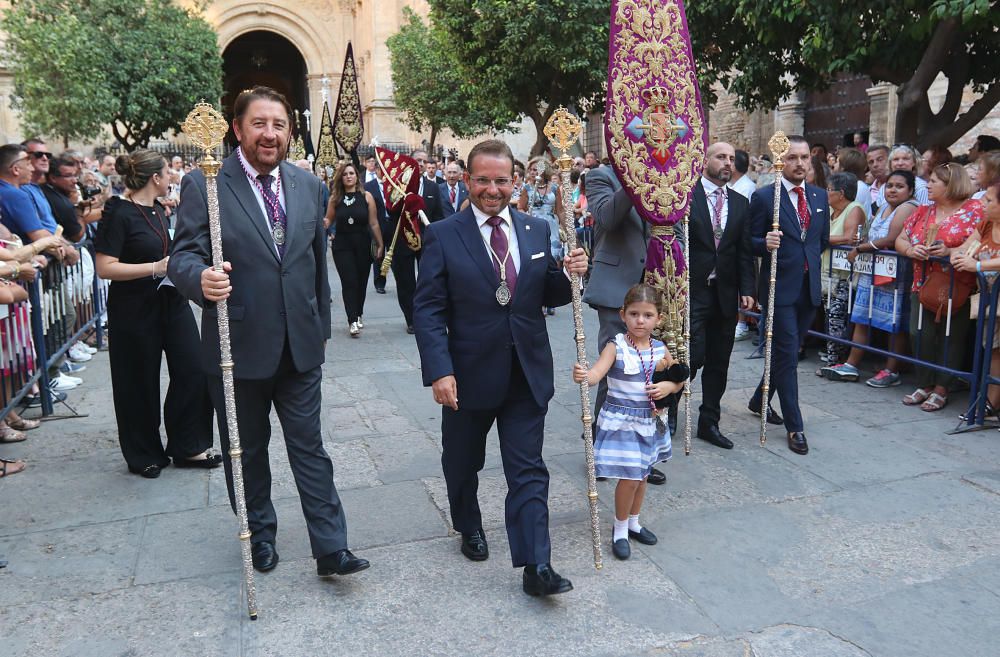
x: 633, y: 523
x: 621, y: 530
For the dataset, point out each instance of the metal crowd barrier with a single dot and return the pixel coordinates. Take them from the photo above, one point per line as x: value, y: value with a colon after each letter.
x: 889, y: 265
x: 64, y: 304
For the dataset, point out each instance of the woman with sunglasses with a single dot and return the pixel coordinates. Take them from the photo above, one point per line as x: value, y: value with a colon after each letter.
x: 147, y: 317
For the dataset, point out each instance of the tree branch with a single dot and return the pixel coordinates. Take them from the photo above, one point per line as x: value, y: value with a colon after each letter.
x: 932, y: 61
x: 952, y: 131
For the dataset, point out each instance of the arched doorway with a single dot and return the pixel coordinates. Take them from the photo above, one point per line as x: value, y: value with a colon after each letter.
x: 267, y: 58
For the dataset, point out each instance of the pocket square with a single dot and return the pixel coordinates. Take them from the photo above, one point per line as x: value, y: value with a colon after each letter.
x: 818, y: 210
x: 536, y: 256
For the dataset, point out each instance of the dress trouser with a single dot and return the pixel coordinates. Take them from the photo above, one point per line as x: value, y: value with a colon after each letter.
x: 609, y: 324
x: 144, y: 327
x: 352, y: 255
x: 404, y: 270
x: 521, y: 426
x: 929, y: 341
x: 712, y: 335
x: 296, y: 397
x: 791, y: 323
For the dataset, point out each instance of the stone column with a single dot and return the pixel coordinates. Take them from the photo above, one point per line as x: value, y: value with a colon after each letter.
x: 790, y: 116
x: 882, y: 119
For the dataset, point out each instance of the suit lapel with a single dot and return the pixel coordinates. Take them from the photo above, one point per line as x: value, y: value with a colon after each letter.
x: 702, y: 216
x: 236, y: 180
x: 731, y: 219
x: 790, y: 215
x: 523, y: 248
x: 468, y: 230
x: 293, y: 203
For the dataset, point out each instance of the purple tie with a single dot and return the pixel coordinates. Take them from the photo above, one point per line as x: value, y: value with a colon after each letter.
x: 720, y: 200
x: 498, y: 241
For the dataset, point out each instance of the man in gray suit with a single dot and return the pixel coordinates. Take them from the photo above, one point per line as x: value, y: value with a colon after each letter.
x: 278, y: 294
x: 620, y: 240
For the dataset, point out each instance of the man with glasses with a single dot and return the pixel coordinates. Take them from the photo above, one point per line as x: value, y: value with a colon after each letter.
x: 60, y: 189
x: 484, y: 351
x: 41, y: 160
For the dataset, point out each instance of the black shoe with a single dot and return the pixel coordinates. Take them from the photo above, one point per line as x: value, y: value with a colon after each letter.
x: 711, y: 434
x: 380, y: 290
x: 621, y: 549
x: 644, y: 536
x: 210, y: 461
x: 35, y: 401
x: 474, y: 546
x: 149, y: 472
x: 264, y: 556
x: 672, y: 413
x: 656, y: 477
x: 772, y: 417
x: 341, y: 562
x: 542, y: 580
x: 797, y: 442
x: 409, y: 329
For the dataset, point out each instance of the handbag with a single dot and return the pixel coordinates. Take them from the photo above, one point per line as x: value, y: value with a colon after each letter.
x: 933, y: 293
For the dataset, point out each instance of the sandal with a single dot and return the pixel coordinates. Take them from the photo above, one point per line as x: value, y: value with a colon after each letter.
x: 934, y: 403
x: 918, y: 396
x: 6, y: 469
x: 22, y: 424
x: 8, y: 435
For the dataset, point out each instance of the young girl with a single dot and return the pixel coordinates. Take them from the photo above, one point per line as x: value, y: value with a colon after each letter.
x: 630, y: 437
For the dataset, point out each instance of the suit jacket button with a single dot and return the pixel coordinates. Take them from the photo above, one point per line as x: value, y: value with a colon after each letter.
x: 283, y: 314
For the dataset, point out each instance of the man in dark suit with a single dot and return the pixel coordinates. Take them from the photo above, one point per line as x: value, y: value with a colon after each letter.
x: 374, y: 187
x: 722, y: 281
x: 429, y: 186
x: 453, y: 191
x: 620, y: 239
x: 278, y: 295
x: 484, y: 350
x: 803, y: 236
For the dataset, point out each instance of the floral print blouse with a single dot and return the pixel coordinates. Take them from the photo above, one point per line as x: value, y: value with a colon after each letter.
x: 953, y: 230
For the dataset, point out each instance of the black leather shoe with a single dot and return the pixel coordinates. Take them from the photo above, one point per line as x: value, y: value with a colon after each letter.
x: 380, y: 290
x: 621, y: 549
x: 264, y: 556
x: 210, y: 461
x: 644, y: 536
x: 474, y: 546
x: 656, y: 477
x: 712, y: 435
x: 797, y: 442
x: 542, y: 580
x: 772, y: 416
x: 341, y: 562
x: 409, y: 329
x: 149, y: 472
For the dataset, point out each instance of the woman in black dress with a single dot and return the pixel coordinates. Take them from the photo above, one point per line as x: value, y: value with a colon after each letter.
x: 352, y: 216
x: 148, y: 317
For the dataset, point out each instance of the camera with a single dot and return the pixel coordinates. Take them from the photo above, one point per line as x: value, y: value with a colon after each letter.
x: 88, y: 192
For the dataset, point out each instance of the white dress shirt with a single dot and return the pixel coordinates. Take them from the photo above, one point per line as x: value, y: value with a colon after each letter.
x: 744, y: 186
x: 710, y: 188
x: 274, y: 173
x: 485, y: 230
x: 794, y: 196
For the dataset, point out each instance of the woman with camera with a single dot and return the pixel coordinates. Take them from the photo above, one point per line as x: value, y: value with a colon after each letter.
x: 148, y: 317
x: 930, y: 235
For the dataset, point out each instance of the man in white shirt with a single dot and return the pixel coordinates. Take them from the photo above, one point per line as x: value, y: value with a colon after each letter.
x: 741, y: 182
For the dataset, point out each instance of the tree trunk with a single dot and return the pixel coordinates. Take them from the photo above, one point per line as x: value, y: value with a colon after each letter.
x: 430, y: 144
x: 540, y: 119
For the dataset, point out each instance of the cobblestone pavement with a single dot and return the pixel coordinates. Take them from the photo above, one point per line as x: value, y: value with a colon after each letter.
x: 884, y: 540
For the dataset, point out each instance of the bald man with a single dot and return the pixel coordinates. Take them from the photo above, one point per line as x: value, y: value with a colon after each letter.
x: 722, y: 281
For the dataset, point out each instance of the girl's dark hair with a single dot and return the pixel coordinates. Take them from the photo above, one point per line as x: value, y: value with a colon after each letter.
x: 642, y: 293
x: 138, y: 167
x: 911, y: 180
x: 337, y: 190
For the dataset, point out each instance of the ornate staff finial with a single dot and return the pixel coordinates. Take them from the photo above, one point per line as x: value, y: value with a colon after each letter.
x: 563, y: 130
x: 779, y: 145
x: 206, y: 128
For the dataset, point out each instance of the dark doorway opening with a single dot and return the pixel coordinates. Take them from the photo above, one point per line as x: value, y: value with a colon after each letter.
x: 263, y: 58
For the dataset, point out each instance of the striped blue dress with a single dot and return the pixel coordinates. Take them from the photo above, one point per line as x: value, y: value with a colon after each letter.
x: 628, y: 444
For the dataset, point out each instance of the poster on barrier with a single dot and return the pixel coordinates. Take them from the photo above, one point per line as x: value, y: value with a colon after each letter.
x: 885, y: 266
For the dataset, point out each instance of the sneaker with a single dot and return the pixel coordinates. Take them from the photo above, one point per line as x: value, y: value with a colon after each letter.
x: 842, y: 372
x: 35, y: 401
x: 884, y: 379
x: 78, y: 355
x: 354, y: 330
x: 824, y: 357
x: 361, y: 324
x: 742, y: 332
x: 85, y: 347
x: 61, y: 383
x: 75, y: 380
x: 69, y: 367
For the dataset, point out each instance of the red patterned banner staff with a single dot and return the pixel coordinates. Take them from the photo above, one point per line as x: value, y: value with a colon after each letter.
x: 401, y: 185
x: 206, y: 128
x: 563, y: 130
x: 655, y: 134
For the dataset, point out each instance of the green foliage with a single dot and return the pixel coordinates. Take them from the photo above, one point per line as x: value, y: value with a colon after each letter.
x: 427, y: 84
x: 762, y: 51
x: 139, y: 65
x: 518, y: 56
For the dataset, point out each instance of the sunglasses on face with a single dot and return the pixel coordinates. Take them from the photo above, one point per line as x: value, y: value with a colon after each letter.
x: 40, y: 154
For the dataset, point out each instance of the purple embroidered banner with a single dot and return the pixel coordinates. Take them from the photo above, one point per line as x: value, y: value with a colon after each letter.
x: 653, y: 124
